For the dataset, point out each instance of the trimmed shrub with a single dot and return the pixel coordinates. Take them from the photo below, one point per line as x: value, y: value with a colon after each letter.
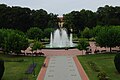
x: 117, y: 62
x: 1, y: 68
x: 103, y: 76
x: 94, y: 66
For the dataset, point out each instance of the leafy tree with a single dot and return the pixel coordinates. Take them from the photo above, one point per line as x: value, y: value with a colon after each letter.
x: 52, y: 21
x: 108, y: 15
x: 34, y: 33
x: 74, y: 21
x: 89, y: 18
x: 95, y: 31
x: 2, y: 68
x: 14, y: 42
x: 47, y: 32
x: 1, y: 37
x: 108, y: 37
x: 37, y: 45
x: 82, y: 45
x: 117, y: 62
x: 40, y: 18
x: 79, y: 20
x: 86, y: 33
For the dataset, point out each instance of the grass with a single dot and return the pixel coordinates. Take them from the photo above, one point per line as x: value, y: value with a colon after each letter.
x: 105, y: 62
x: 16, y: 70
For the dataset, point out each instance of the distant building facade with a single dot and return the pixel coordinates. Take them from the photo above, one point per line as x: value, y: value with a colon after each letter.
x: 61, y: 21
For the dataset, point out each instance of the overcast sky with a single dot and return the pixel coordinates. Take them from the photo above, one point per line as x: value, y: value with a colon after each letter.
x: 61, y: 6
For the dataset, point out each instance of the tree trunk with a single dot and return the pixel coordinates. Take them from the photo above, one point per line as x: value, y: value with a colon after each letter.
x: 110, y: 49
x: 82, y: 52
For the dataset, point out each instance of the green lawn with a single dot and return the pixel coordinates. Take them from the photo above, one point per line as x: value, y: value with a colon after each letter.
x: 105, y: 62
x: 16, y: 70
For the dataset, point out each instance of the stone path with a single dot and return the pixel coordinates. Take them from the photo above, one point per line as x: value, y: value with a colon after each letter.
x: 62, y: 68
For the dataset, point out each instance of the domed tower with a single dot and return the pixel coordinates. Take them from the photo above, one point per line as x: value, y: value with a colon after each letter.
x: 61, y: 22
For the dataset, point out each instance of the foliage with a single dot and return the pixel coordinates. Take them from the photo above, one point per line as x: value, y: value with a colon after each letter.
x: 78, y: 20
x: 19, y: 18
x: 53, y: 21
x: 82, y: 44
x: 95, y: 31
x: 117, y: 62
x: 103, y: 76
x: 12, y: 41
x: 37, y: 45
x: 40, y: 18
x: 47, y: 32
x: 86, y: 33
x: 34, y: 33
x: 109, y: 37
x: 94, y: 66
x: 2, y: 68
x: 108, y: 15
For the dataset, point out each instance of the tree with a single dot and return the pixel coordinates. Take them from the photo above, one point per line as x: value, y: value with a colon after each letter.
x: 40, y: 18
x: 82, y: 45
x: 74, y: 21
x: 2, y: 68
x: 86, y: 33
x: 52, y: 21
x: 37, y: 45
x: 47, y: 32
x: 95, y: 31
x: 13, y: 42
x: 117, y: 62
x: 34, y: 33
x: 108, y: 37
x: 89, y: 18
x: 108, y: 15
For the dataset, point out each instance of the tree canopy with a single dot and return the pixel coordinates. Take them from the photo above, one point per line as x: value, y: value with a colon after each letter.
x: 34, y: 33
x: 11, y: 41
x: 22, y: 18
x: 109, y: 37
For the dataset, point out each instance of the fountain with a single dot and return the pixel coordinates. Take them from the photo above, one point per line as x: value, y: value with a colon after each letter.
x: 60, y: 39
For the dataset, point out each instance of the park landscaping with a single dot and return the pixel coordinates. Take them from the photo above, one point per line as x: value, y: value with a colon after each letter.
x: 16, y: 66
x: 97, y: 64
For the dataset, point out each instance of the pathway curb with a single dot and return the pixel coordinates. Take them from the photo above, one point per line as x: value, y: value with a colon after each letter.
x: 43, y: 70
x: 80, y: 69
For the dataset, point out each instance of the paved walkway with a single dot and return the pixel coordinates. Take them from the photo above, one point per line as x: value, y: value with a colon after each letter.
x: 62, y: 68
x: 62, y: 65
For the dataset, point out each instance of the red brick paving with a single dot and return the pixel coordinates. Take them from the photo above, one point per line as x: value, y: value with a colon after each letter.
x: 80, y: 69
x: 43, y: 70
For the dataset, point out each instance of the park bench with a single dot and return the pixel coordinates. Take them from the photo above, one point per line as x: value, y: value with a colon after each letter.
x: 22, y: 54
x: 87, y: 52
x: 115, y: 51
x: 118, y: 51
x: 103, y: 51
x: 30, y: 68
x: 28, y: 53
x: 96, y: 51
x: 40, y: 53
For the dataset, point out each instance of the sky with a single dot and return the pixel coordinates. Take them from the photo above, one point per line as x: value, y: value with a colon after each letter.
x: 61, y: 7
